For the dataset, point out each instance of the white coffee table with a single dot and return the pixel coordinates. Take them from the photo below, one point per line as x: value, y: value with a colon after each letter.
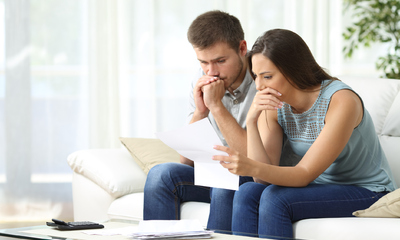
x: 45, y: 232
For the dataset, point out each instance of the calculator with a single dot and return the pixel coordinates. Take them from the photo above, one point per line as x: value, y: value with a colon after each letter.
x: 61, y: 225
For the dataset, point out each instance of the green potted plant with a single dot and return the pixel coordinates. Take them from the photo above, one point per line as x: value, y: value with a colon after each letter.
x: 375, y: 21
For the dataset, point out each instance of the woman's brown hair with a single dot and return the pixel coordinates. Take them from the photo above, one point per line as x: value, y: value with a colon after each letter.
x: 291, y: 56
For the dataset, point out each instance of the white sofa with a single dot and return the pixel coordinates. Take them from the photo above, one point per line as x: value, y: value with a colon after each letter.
x: 108, y: 183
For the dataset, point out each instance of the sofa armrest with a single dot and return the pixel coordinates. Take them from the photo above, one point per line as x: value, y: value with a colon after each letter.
x: 90, y: 201
x: 114, y: 170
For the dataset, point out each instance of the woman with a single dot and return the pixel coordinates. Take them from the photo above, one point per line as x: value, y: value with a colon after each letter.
x: 343, y: 167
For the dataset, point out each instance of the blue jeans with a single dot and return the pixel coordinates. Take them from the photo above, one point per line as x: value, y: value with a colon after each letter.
x: 170, y: 184
x: 271, y: 210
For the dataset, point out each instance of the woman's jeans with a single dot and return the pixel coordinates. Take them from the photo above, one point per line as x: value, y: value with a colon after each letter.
x: 170, y: 184
x: 271, y: 210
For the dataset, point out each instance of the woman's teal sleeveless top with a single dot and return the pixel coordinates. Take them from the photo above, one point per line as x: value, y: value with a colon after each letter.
x: 362, y: 162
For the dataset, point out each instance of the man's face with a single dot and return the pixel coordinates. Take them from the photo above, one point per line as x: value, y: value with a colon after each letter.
x: 220, y: 60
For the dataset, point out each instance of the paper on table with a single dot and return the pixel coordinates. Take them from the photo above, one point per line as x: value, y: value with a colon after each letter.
x: 171, y: 229
x: 155, y: 229
x: 195, y: 141
x: 169, y: 226
x: 126, y: 231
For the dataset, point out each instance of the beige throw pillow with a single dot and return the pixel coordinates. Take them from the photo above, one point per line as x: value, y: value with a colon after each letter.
x: 386, y: 207
x: 148, y: 152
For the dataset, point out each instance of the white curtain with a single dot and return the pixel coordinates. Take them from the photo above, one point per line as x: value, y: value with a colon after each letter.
x: 78, y: 74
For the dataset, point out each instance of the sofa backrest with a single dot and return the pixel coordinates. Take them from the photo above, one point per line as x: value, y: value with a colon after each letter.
x: 382, y: 100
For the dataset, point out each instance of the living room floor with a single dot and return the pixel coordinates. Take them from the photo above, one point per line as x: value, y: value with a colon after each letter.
x: 6, y: 225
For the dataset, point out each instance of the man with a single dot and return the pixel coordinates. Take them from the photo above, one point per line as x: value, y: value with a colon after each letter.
x: 223, y: 93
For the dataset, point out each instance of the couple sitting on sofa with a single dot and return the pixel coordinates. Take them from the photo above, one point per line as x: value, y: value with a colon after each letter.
x: 253, y: 99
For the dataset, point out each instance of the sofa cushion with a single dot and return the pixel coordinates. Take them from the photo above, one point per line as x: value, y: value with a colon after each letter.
x: 386, y: 207
x: 128, y: 207
x: 196, y: 210
x: 148, y: 152
x: 349, y: 228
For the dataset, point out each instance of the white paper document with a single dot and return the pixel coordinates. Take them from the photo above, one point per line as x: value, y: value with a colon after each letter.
x: 126, y: 231
x: 195, y: 142
x: 156, y: 229
x: 171, y: 229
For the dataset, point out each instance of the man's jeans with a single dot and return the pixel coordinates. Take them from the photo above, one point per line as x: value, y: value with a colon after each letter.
x: 170, y: 184
x: 271, y: 210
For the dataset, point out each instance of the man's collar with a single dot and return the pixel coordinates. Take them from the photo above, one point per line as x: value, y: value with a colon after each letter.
x: 244, y: 86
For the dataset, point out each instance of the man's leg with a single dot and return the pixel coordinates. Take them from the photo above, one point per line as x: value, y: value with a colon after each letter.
x: 245, y: 209
x: 167, y: 186
x: 221, y: 206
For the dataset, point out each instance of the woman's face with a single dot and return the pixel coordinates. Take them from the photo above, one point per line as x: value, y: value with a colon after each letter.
x: 267, y: 75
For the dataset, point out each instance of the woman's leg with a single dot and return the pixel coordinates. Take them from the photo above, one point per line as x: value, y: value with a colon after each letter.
x: 245, y: 209
x: 220, y: 217
x: 281, y: 206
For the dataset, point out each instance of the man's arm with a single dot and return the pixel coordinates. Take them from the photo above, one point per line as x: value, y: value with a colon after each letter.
x: 209, y: 93
x: 233, y: 133
x: 198, y: 108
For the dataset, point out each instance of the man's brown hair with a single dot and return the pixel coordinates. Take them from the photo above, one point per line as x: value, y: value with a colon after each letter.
x: 215, y: 26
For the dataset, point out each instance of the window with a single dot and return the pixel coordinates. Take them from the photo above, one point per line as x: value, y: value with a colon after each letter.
x: 44, y: 106
x: 2, y: 95
x: 78, y: 74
